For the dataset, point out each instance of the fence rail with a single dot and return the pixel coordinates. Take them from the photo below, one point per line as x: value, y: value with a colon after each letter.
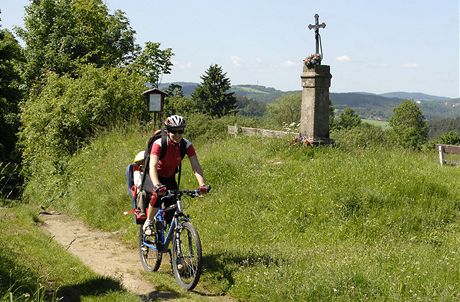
x: 443, y: 149
x: 236, y: 130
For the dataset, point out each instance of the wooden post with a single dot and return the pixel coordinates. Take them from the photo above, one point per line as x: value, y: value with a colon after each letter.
x: 441, y: 154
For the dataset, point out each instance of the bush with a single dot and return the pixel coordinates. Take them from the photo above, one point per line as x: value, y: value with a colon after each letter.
x: 207, y: 128
x: 347, y: 120
x: 409, y: 128
x: 66, y: 114
x: 285, y: 109
x: 449, y: 138
x: 362, y: 136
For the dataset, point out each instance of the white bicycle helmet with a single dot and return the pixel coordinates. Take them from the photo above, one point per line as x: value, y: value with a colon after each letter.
x: 139, y: 157
x: 175, y: 121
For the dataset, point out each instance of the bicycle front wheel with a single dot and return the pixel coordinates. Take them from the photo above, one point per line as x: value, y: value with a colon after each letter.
x: 149, y: 252
x: 186, y: 256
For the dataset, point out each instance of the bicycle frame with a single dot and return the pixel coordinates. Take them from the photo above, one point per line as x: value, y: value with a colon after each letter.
x: 186, y: 252
x: 178, y: 214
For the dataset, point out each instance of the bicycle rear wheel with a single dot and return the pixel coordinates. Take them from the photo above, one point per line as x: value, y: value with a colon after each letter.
x: 149, y: 252
x: 186, y: 256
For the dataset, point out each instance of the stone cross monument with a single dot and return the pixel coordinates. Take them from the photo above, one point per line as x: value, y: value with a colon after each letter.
x: 316, y: 80
x: 317, y: 26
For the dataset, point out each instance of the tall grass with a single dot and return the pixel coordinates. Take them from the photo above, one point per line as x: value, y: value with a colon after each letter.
x: 296, y: 223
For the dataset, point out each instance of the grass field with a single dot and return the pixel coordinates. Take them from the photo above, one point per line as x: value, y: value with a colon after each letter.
x: 295, y: 223
x: 382, y: 124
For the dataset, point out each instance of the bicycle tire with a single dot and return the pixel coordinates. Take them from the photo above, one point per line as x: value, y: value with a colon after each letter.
x: 150, y: 257
x: 189, y: 274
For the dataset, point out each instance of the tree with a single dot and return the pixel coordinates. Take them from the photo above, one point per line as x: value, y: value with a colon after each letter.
x: 60, y: 35
x: 285, y: 109
x: 347, y: 119
x: 174, y: 90
x: 249, y: 107
x: 153, y: 62
x: 68, y: 112
x: 211, y: 96
x: 440, y: 126
x: 331, y: 115
x: 11, y: 59
x: 408, y: 125
x: 178, y: 104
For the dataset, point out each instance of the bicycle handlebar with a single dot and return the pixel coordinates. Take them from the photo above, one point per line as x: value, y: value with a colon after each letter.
x: 190, y: 193
x: 179, y: 193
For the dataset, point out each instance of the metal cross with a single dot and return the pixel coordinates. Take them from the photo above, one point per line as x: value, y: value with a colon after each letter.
x: 317, y: 26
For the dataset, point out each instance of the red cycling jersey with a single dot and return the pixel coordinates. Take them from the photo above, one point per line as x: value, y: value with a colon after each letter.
x: 168, y: 164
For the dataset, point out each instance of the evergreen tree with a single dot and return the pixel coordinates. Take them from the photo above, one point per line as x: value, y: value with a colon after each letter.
x: 211, y: 96
x: 409, y: 128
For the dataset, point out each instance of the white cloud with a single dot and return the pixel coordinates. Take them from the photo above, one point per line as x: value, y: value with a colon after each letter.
x: 258, y: 60
x: 410, y: 65
x: 289, y: 63
x: 343, y: 58
x: 236, y: 60
x: 181, y: 65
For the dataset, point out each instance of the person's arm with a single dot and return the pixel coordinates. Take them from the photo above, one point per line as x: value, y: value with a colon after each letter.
x: 197, y: 170
x: 153, y: 170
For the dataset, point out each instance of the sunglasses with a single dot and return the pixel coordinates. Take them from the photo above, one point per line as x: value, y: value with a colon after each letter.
x: 177, y: 131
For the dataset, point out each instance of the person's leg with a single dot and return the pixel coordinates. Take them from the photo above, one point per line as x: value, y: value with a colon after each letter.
x: 170, y: 184
x: 152, y: 211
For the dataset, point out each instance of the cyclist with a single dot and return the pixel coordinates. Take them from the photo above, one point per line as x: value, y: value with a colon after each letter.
x: 162, y: 171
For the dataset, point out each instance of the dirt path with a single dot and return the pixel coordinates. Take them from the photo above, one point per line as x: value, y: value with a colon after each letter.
x: 91, y: 247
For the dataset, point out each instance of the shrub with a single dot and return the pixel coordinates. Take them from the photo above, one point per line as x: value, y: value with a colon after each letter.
x: 347, y: 120
x: 362, y: 136
x: 408, y: 126
x: 285, y: 109
x: 66, y: 114
x: 449, y: 138
x: 207, y: 128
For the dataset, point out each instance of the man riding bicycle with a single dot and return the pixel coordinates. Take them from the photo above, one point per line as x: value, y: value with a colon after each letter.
x: 162, y: 170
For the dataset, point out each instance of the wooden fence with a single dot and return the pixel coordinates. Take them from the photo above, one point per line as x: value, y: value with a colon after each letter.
x: 236, y: 130
x: 443, y: 149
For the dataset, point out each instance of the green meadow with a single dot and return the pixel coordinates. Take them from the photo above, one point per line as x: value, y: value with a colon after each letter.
x: 282, y: 222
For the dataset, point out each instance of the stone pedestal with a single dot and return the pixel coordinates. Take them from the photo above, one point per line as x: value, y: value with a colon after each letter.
x: 314, y: 120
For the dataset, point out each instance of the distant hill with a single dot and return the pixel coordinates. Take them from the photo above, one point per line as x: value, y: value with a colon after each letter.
x: 367, y: 105
x: 187, y: 87
x: 257, y: 93
x: 380, y: 107
x: 416, y: 96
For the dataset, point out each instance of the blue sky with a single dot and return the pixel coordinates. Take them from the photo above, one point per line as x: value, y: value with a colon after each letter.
x: 371, y: 46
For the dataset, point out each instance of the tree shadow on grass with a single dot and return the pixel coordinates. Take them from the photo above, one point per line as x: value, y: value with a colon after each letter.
x: 14, y: 277
x: 162, y: 293
x: 93, y: 287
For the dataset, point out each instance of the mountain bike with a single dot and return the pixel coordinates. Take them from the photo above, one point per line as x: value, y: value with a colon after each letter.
x: 186, y: 258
